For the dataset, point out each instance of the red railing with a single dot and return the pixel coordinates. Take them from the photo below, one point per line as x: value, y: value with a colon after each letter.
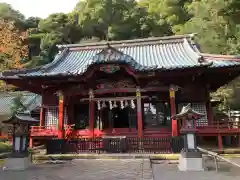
x: 44, y: 131
x: 222, y: 128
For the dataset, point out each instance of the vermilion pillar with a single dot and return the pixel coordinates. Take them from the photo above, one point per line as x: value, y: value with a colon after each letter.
x: 30, y: 142
x: 139, y: 112
x: 173, y: 110
x: 91, y: 112
x: 220, y: 143
x: 42, y: 117
x: 61, y: 116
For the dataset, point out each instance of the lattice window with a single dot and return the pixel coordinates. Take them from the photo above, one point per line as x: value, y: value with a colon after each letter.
x: 199, y: 107
x: 51, y: 117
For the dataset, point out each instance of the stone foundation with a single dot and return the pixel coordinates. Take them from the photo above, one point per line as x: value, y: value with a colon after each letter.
x: 190, y: 161
x: 16, y: 164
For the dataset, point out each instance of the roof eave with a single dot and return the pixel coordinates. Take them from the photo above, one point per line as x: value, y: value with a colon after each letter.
x: 14, y: 77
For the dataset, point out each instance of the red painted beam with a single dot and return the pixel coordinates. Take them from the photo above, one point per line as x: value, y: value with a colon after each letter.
x: 173, y: 112
x: 61, y: 117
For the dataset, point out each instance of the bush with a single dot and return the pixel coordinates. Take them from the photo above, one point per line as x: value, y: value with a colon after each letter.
x: 3, y: 138
x: 5, y: 147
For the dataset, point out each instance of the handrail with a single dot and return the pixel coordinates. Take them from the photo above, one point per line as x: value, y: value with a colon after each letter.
x: 232, y: 126
x: 216, y: 156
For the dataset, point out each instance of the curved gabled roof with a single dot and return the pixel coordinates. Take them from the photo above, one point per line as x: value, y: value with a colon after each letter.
x: 30, y: 100
x: 162, y: 53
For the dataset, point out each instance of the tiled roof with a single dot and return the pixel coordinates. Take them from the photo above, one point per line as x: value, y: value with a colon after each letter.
x: 164, y: 53
x: 21, y: 117
x: 29, y: 100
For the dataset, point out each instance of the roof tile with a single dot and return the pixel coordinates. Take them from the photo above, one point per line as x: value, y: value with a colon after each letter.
x: 30, y: 100
x: 167, y: 53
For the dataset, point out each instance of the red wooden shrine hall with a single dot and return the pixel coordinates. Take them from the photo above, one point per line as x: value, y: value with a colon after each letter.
x: 129, y: 88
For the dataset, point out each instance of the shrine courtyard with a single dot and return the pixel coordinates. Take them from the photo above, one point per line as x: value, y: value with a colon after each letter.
x: 137, y: 169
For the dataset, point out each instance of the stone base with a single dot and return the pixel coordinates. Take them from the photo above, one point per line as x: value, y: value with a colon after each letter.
x: 16, y: 164
x: 190, y: 161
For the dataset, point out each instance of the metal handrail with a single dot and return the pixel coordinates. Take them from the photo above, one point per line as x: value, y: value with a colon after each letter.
x: 216, y: 157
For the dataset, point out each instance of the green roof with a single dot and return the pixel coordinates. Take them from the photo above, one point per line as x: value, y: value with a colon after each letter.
x: 29, y: 100
x: 158, y: 53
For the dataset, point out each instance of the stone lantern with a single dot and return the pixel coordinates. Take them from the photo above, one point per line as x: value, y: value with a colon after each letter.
x: 190, y: 157
x: 19, y: 158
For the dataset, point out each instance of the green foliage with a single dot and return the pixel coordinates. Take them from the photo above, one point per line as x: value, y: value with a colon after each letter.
x: 8, y: 13
x: 5, y: 147
x: 111, y: 20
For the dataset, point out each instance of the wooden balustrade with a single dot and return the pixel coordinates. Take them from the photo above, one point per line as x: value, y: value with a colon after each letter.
x: 39, y: 131
x: 220, y: 128
x: 206, y: 130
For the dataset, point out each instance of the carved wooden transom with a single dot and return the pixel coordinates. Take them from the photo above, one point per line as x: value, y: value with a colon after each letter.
x: 109, y: 68
x: 154, y: 83
x: 116, y: 84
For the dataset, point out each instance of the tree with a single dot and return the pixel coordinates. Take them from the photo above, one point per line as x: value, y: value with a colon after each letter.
x: 13, y: 45
x: 56, y: 29
x: 111, y: 19
x: 211, y: 20
x: 8, y: 13
x: 164, y: 15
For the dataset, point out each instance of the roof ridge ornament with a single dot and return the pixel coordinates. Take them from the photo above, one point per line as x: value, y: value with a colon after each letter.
x: 110, y: 54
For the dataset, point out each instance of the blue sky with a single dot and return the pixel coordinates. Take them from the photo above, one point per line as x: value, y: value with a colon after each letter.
x: 42, y: 8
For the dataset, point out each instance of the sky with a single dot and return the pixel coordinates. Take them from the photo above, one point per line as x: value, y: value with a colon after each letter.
x: 41, y: 8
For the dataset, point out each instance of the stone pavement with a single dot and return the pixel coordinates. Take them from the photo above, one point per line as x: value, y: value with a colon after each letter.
x: 226, y: 171
x: 85, y: 170
x: 135, y: 169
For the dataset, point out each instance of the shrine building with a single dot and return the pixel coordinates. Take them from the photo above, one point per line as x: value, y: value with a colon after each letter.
x: 128, y: 88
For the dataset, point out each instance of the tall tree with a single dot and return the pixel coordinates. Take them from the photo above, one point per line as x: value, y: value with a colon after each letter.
x: 111, y: 19
x: 58, y: 28
x: 13, y: 47
x: 210, y: 19
x: 165, y: 15
x: 8, y: 13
